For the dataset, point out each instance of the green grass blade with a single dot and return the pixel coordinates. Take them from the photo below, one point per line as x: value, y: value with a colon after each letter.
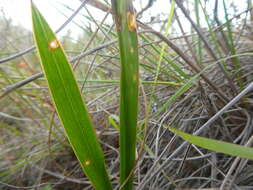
x: 232, y: 47
x: 178, y: 93
x: 114, y: 120
x: 169, y: 22
x: 126, y: 27
x: 198, y: 48
x: 69, y: 104
x: 173, y: 64
x: 217, y: 146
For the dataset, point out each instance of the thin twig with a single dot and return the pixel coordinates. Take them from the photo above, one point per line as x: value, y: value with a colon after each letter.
x: 10, y: 88
x: 58, y: 30
x: 233, y: 167
x: 206, y: 43
x: 190, y: 63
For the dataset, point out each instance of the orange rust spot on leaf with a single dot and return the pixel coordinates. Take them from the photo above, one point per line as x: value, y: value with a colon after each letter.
x: 22, y: 64
x: 131, y: 21
x: 54, y: 44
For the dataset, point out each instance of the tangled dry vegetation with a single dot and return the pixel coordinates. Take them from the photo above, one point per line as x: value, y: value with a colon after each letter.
x: 34, y: 153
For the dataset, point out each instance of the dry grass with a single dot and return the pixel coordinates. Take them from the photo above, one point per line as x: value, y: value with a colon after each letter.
x: 33, y: 148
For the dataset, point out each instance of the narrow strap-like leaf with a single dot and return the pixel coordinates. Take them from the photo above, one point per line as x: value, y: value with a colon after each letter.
x: 69, y: 104
x: 125, y: 20
x: 217, y: 146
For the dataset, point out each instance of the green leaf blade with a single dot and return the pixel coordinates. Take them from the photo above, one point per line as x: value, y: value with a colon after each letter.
x: 69, y: 104
x: 129, y: 84
x: 217, y: 146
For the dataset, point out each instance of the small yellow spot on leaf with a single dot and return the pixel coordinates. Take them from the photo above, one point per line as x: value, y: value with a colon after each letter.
x: 131, y: 21
x: 87, y: 162
x: 54, y: 44
x: 134, y: 77
x: 132, y: 50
